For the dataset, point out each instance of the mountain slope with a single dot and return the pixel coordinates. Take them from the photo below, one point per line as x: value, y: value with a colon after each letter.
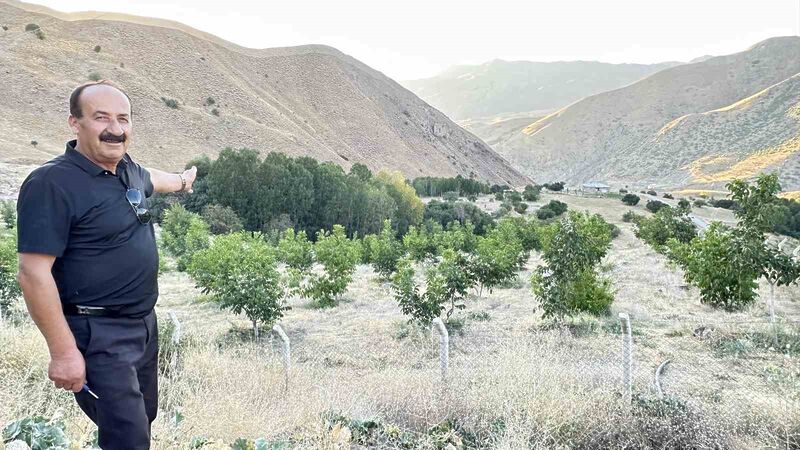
x: 499, y: 87
x: 706, y: 150
x: 308, y: 100
x: 597, y: 136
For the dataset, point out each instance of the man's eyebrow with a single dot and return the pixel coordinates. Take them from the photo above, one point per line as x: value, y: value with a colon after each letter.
x: 109, y: 114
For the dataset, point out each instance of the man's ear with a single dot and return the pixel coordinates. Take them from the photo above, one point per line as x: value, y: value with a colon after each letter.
x: 73, y: 123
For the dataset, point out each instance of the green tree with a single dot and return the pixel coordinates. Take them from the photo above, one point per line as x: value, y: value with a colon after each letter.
x: 725, y: 263
x: 666, y: 224
x: 498, y: 256
x: 385, y: 250
x: 295, y: 250
x: 630, y: 199
x: 410, y: 208
x: 8, y: 212
x: 338, y: 256
x: 183, y: 234
x: 531, y: 193
x: 568, y: 282
x: 240, y: 273
x: 221, y: 219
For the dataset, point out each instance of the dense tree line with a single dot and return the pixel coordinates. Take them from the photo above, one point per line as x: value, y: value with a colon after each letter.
x: 282, y: 192
x: 436, y: 186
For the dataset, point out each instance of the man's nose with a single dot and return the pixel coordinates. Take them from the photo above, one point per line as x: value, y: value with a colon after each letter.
x: 115, y: 128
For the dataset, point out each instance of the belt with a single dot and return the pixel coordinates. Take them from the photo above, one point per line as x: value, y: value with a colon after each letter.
x: 99, y: 311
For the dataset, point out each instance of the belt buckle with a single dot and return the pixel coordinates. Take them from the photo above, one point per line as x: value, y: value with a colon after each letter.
x: 87, y: 310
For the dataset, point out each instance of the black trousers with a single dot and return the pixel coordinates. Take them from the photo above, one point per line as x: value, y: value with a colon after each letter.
x: 121, y: 356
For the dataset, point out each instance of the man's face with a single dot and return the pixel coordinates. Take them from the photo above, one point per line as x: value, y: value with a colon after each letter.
x: 104, y: 131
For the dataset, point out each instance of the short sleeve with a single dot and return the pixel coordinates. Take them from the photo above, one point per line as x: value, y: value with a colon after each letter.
x: 44, y: 216
x: 142, y: 174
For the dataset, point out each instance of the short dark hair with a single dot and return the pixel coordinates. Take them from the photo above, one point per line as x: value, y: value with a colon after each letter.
x: 75, y: 97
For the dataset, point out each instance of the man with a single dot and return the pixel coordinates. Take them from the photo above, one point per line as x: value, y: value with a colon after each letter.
x: 88, y: 266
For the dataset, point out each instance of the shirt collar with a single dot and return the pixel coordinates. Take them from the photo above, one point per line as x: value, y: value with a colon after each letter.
x: 88, y: 166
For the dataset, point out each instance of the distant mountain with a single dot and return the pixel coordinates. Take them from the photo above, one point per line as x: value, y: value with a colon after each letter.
x: 309, y: 100
x: 499, y: 87
x: 639, y: 135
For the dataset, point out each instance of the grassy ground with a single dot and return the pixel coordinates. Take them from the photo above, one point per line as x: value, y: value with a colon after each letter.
x: 362, y: 377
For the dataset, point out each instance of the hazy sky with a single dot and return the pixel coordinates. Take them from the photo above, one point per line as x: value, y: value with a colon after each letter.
x: 408, y: 39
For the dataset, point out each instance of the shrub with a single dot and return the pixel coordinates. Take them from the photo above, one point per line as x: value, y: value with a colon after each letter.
x: 5, y: 27
x: 531, y: 193
x: 521, y: 208
x: 631, y: 199
x: 31, y: 27
x: 171, y: 103
x: 631, y: 216
x: 699, y: 203
x: 668, y: 196
x: 183, y: 234
x: 385, y: 251
x: 654, y: 205
x: 95, y: 76
x: 9, y: 287
x: 8, y: 212
x: 338, y: 256
x: 555, y: 187
x: 568, y: 284
x: 34, y: 143
x: 215, y: 111
x: 209, y: 101
x: 653, y: 193
x: 684, y: 205
x: 552, y: 209
x: 450, y: 196
x: 456, y: 237
x: 240, y: 273
x: 97, y: 49
x: 514, y: 197
x: 221, y: 219
x: 724, y: 203
x: 499, y: 196
x: 472, y: 198
x: 666, y: 224
x: 295, y: 250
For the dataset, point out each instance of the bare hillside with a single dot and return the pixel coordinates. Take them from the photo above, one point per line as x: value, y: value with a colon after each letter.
x: 500, y: 87
x: 615, y: 133
x: 707, y: 150
x: 309, y: 100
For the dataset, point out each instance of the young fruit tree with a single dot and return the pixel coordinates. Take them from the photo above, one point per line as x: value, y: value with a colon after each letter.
x: 338, y: 256
x: 240, y: 273
x: 726, y: 262
x: 568, y: 282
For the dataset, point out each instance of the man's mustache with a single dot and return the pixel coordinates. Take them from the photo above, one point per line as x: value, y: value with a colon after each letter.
x: 108, y: 137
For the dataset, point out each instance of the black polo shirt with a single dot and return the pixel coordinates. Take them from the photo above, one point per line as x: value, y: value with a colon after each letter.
x: 77, y: 211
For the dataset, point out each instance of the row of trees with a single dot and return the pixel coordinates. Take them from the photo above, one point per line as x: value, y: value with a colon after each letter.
x: 242, y: 272
x: 436, y: 186
x: 281, y: 192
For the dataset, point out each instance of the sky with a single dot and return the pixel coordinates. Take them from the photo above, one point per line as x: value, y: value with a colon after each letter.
x: 413, y: 39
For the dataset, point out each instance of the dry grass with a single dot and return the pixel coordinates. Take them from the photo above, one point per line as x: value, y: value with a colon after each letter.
x: 515, y: 381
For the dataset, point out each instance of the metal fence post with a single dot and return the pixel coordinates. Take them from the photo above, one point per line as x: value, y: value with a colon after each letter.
x: 444, y: 347
x: 627, y: 357
x: 286, y: 352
